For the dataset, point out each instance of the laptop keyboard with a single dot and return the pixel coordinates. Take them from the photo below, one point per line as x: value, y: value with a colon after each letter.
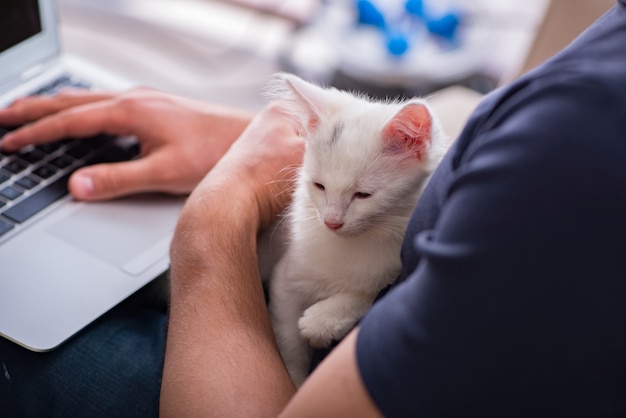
x: 36, y: 177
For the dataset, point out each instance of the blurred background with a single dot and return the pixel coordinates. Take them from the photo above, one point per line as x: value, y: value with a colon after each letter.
x: 226, y: 50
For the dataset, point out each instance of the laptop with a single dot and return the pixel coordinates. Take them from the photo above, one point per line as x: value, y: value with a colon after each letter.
x: 64, y: 262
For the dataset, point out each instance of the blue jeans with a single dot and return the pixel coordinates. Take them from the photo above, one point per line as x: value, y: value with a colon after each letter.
x: 111, y: 369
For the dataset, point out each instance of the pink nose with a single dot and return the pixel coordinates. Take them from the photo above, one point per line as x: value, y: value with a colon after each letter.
x: 333, y: 226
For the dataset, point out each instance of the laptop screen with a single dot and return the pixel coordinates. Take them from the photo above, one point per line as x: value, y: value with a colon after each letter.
x: 19, y: 20
x: 28, y: 40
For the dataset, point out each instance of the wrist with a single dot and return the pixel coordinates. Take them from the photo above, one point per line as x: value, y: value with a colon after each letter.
x: 214, y: 221
x: 219, y: 213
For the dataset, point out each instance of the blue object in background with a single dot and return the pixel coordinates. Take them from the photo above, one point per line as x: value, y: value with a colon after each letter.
x: 368, y: 14
x: 397, y: 42
x: 415, y: 8
x: 446, y: 26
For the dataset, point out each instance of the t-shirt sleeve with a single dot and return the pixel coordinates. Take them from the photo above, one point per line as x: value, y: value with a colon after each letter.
x: 516, y: 307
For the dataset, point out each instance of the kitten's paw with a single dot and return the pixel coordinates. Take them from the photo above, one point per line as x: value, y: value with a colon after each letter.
x: 314, y: 332
x: 320, y: 328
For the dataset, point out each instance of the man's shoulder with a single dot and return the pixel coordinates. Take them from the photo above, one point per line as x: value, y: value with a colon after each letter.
x: 555, y: 108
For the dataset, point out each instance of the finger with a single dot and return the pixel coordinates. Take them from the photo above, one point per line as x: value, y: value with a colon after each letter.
x: 28, y: 109
x: 76, y: 122
x: 111, y: 180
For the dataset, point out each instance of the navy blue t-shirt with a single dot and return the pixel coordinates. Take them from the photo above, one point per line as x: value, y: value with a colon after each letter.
x: 513, y: 295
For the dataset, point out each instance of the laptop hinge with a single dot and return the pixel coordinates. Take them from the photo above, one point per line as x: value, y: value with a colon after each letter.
x: 32, y: 72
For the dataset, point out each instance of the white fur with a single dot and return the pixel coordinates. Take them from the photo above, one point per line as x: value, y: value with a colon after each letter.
x: 327, y: 279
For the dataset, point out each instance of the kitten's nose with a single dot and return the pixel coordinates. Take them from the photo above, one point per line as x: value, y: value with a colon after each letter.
x: 333, y: 226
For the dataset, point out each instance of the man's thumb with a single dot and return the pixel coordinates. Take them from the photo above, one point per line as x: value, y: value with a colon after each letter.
x: 81, y: 185
x: 106, y: 181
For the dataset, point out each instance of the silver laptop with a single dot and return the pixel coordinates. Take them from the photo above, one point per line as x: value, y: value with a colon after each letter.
x: 64, y: 263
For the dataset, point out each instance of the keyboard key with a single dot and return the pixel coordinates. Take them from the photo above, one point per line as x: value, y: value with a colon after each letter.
x: 10, y: 193
x: 61, y: 162
x: 99, y: 140
x: 45, y: 172
x: 15, y: 166
x: 114, y: 154
x: 32, y: 156
x: 51, y: 88
x: 81, y: 85
x: 4, y: 177
x: 36, y: 202
x: 5, y: 226
x: 27, y: 182
x: 49, y: 148
x: 64, y: 80
x: 79, y: 150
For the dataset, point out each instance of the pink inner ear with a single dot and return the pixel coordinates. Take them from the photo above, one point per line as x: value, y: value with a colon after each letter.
x: 409, y: 131
x: 304, y: 125
x: 314, y: 122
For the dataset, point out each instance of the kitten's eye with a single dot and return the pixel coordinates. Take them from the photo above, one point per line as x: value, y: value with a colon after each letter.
x: 319, y: 186
x: 362, y: 195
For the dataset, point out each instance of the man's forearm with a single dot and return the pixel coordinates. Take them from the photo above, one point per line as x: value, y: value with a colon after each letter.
x: 221, y: 356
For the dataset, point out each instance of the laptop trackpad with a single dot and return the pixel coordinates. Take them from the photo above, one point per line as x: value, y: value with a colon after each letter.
x: 132, y: 233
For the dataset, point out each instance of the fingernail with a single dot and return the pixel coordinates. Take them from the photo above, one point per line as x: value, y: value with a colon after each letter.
x: 83, y: 185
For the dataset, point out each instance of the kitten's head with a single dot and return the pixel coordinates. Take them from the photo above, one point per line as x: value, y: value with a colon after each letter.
x: 365, y: 161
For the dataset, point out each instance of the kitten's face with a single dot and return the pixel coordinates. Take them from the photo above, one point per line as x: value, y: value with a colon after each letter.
x: 364, y: 162
x: 354, y: 192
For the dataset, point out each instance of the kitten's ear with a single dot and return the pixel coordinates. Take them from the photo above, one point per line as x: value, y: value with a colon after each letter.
x: 409, y: 131
x: 301, y: 101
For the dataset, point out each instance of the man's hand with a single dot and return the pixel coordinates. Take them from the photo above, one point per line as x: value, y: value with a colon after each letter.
x: 221, y: 357
x: 180, y: 139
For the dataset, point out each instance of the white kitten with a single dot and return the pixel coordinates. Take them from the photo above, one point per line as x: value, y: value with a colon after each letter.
x: 364, y: 168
